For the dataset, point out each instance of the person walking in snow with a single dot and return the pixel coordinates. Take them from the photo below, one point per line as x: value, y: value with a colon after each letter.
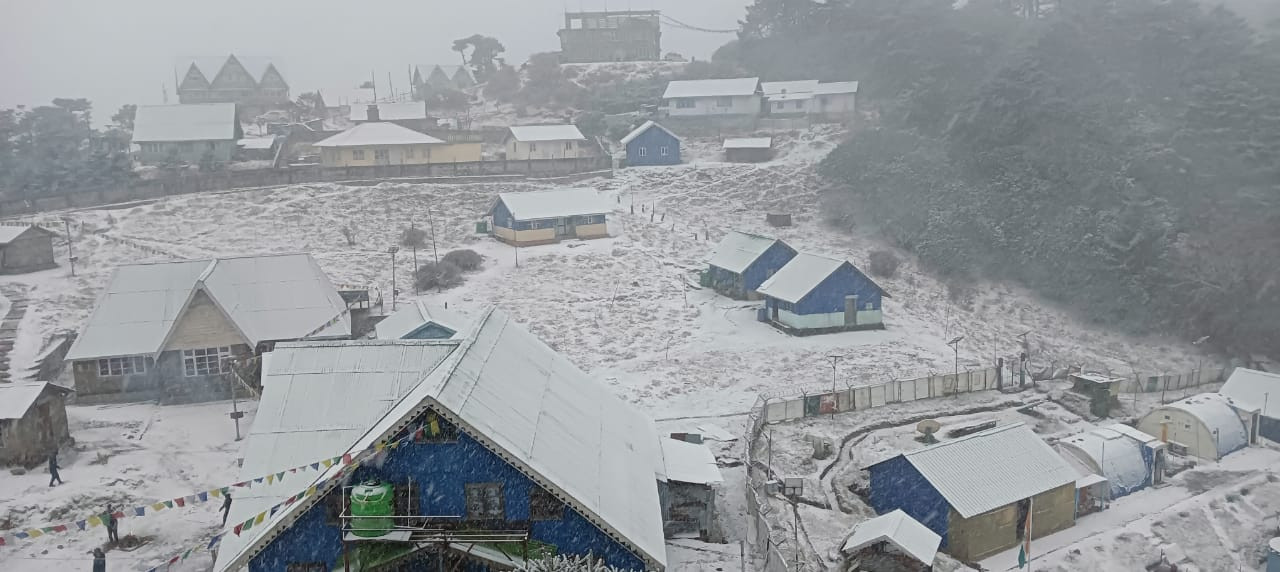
x: 53, y: 468
x: 113, y: 535
x: 226, y: 506
x: 99, y: 560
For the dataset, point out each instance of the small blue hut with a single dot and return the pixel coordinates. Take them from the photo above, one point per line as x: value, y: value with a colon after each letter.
x: 815, y: 294
x: 652, y: 144
x: 742, y: 261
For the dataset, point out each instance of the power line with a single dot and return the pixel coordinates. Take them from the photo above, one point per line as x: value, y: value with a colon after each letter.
x: 678, y: 24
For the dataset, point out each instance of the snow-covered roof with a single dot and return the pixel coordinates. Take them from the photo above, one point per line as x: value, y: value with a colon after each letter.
x: 186, y: 122
x: 737, y: 250
x: 390, y: 111
x: 210, y: 66
x: 17, y: 398
x: 268, y: 297
x: 536, y: 205
x: 899, y: 529
x: 1135, y: 434
x: 9, y: 233
x: 546, y: 133
x: 377, y: 133
x: 836, y: 87
x: 425, y: 70
x: 773, y: 88
x: 689, y: 462
x: 414, y: 316
x: 645, y: 127
x: 257, y: 143
x: 1089, y: 480
x: 1254, y: 389
x: 711, y: 87
x: 1116, y: 453
x: 748, y: 142
x: 1096, y: 378
x: 990, y: 469
x: 518, y: 397
x: 1218, y: 414
x: 799, y: 276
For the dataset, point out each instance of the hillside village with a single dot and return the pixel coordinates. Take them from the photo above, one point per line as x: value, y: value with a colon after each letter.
x: 379, y: 334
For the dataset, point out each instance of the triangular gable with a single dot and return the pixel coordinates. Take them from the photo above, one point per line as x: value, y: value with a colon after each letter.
x: 194, y: 78
x: 197, y: 291
x: 272, y: 78
x: 230, y: 68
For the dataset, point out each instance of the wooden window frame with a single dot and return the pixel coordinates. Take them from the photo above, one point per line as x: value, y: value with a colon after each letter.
x: 118, y: 366
x: 501, y: 509
x: 197, y: 362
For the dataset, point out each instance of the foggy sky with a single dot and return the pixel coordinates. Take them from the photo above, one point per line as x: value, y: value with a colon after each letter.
x: 123, y: 51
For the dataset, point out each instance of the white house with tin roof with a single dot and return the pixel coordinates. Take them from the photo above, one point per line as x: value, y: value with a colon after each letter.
x: 386, y: 143
x: 831, y: 100
x: 524, y: 142
x: 188, y: 133
x: 1260, y: 391
x: 712, y: 97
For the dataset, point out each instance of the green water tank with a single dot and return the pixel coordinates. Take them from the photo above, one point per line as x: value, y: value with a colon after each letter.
x: 373, y: 503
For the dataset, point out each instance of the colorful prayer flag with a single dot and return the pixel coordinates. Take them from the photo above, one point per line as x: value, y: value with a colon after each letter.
x: 274, y: 509
x: 118, y: 514
x: 191, y: 499
x: 379, y: 447
x: 315, y: 466
x: 204, y: 497
x: 81, y: 524
x: 213, y: 541
x: 21, y: 535
x: 215, y: 493
x: 261, y: 517
x: 35, y: 533
x: 180, y: 502
x: 139, y: 511
x: 327, y: 463
x: 271, y: 479
x: 157, y: 506
x: 346, y: 459
x: 280, y: 475
x: 168, y: 504
x: 95, y: 520
x: 310, y: 491
x: 236, y: 529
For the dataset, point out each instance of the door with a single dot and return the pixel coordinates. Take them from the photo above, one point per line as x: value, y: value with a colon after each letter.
x: 850, y: 310
x: 382, y: 156
x: 562, y: 227
x: 775, y: 310
x: 1024, y: 506
x: 1157, y: 476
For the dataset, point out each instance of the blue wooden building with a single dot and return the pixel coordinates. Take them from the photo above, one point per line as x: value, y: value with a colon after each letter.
x: 816, y: 294
x: 545, y: 217
x: 505, y: 452
x: 975, y: 491
x: 742, y: 261
x: 651, y: 144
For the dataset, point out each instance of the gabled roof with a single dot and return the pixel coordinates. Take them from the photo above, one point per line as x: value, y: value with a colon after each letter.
x: 773, y: 88
x: 737, y: 250
x: 537, y: 205
x: 748, y: 143
x: 899, y: 529
x: 689, y: 462
x: 799, y: 276
x: 413, y: 317
x: 266, y: 298
x: 645, y: 127
x: 451, y: 71
x: 836, y: 87
x: 186, y: 122
x: 1255, y: 389
x: 17, y: 398
x: 546, y: 133
x: 391, y: 111
x: 516, y: 396
x: 377, y: 133
x: 990, y: 469
x: 9, y: 233
x: 211, y: 66
x: 1218, y: 413
x: 712, y: 87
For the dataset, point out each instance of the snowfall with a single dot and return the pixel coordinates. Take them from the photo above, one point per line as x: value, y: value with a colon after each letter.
x: 626, y: 309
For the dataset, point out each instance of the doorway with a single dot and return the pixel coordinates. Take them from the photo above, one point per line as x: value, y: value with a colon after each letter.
x: 850, y: 310
x: 1024, y: 506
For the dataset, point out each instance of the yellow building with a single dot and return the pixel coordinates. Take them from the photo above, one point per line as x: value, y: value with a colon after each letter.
x: 382, y: 143
x: 527, y: 142
x: 543, y: 217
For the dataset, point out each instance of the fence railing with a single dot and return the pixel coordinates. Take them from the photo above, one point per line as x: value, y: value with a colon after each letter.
x: 813, y: 400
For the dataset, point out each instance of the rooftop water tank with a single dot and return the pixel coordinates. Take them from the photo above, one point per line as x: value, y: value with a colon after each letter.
x: 372, y: 505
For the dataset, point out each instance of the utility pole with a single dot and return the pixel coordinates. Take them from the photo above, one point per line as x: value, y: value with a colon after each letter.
x: 413, y: 240
x: 834, y: 360
x: 955, y: 346
x: 71, y: 257
x: 435, y: 254
x: 393, y: 250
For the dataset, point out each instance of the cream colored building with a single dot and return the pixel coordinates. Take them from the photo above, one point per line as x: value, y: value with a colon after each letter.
x: 1208, y: 426
x: 527, y: 142
x: 544, y: 217
x: 383, y: 143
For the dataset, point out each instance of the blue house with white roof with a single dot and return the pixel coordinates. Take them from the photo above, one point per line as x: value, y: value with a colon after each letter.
x: 497, y: 449
x: 743, y: 261
x: 545, y: 217
x: 815, y: 294
x: 651, y: 144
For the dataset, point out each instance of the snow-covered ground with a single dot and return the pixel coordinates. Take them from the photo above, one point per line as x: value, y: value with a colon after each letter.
x: 621, y: 308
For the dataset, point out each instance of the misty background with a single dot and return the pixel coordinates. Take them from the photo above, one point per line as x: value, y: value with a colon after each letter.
x: 125, y: 51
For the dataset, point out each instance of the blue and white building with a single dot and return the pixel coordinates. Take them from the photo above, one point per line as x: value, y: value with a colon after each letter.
x: 743, y: 261
x: 505, y: 450
x: 815, y: 294
x: 1258, y: 391
x: 651, y: 144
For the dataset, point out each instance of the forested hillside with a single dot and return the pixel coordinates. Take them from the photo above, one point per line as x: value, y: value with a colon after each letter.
x: 1121, y: 157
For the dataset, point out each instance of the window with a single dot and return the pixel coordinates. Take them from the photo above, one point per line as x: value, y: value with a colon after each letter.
x: 408, y: 152
x: 544, y: 505
x: 207, y: 361
x: 685, y: 103
x: 484, y: 501
x: 1186, y: 426
x: 644, y: 151
x: 534, y: 225
x: 778, y: 104
x: 867, y: 306
x: 662, y: 150
x: 381, y: 155
x: 306, y: 567
x: 568, y: 145
x: 799, y: 104
x: 357, y: 155
x: 122, y: 365
x: 724, y: 102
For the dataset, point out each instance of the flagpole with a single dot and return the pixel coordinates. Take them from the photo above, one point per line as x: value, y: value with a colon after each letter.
x: 1031, y: 512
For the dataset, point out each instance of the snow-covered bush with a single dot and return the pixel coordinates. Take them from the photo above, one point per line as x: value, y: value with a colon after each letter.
x: 443, y: 275
x: 465, y: 259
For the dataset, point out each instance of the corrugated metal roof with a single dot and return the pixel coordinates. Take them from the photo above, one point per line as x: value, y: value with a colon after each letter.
x: 748, y: 143
x: 737, y: 250
x: 537, y: 205
x: 774, y: 88
x: 899, y: 529
x: 514, y: 393
x: 270, y: 297
x: 990, y: 469
x: 645, y: 127
x: 689, y: 462
x: 1254, y: 389
x: 257, y: 143
x: 801, y: 275
x: 546, y: 133
x: 1132, y: 433
x: 391, y: 111
x: 414, y: 316
x: 377, y: 133
x: 1218, y: 415
x: 711, y: 87
x: 836, y: 87
x: 17, y: 398
x: 188, y: 122
x: 9, y: 233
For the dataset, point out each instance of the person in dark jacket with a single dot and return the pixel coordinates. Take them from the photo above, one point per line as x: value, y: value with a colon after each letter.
x: 53, y: 468
x: 113, y: 535
x: 99, y: 560
x: 226, y: 506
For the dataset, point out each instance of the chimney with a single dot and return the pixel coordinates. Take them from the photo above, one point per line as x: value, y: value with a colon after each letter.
x: 372, y: 114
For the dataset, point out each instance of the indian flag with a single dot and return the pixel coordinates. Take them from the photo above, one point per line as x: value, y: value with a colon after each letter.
x: 1024, y: 553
